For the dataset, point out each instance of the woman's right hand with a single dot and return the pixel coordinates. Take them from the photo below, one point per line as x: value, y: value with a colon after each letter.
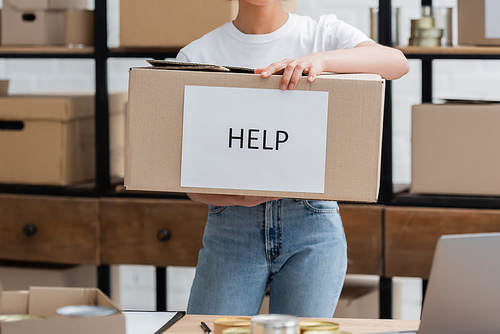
x: 230, y: 200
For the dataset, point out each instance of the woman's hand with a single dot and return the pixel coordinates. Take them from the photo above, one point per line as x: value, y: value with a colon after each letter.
x: 366, y: 57
x: 230, y: 200
x: 293, y: 68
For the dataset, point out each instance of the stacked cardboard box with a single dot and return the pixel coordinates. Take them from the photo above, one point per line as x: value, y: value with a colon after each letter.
x: 478, y: 22
x: 36, y: 22
x: 4, y: 87
x: 174, y: 23
x: 456, y: 149
x: 50, y: 140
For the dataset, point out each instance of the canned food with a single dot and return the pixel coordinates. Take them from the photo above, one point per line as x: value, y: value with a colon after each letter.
x: 18, y: 317
x: 317, y: 326
x: 333, y: 331
x: 224, y: 323
x: 275, y: 324
x: 237, y: 330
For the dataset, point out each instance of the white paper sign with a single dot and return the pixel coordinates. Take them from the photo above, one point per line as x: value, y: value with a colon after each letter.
x: 254, y: 139
x: 492, y: 20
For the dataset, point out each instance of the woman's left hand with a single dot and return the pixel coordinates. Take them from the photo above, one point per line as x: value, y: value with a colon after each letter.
x: 293, y: 68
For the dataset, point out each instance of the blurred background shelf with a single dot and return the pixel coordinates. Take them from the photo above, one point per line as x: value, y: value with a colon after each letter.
x: 448, y: 201
x: 46, y: 52
x: 454, y: 52
x: 156, y: 53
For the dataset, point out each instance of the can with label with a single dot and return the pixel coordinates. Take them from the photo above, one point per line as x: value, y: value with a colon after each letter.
x: 307, y: 326
x: 275, y: 324
x: 224, y: 323
x: 237, y: 330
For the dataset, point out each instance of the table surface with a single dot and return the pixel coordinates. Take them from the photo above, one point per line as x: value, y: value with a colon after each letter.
x: 191, y: 324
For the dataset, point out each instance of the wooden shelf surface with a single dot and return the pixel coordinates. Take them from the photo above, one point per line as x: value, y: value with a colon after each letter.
x: 453, y: 50
x: 45, y: 50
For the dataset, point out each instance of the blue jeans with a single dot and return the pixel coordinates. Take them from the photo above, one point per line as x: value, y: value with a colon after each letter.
x: 296, y: 247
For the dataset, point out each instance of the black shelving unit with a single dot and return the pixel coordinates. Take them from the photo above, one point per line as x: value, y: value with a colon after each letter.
x: 104, y: 186
x: 387, y: 195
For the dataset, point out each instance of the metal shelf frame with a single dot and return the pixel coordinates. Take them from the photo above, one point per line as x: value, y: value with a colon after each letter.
x: 104, y: 187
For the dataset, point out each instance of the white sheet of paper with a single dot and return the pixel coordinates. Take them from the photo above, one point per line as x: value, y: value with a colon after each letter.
x: 146, y: 322
x: 294, y: 161
x: 492, y: 20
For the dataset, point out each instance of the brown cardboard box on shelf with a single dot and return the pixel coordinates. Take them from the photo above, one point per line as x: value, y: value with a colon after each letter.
x: 35, y: 22
x: 174, y: 23
x: 79, y: 28
x: 44, y: 302
x: 478, y: 24
x: 50, y: 140
x: 4, y: 87
x: 456, y: 149
x: 117, y: 116
x: 351, y: 165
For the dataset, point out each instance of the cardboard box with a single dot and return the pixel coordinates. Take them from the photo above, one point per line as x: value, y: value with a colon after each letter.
x: 351, y: 167
x: 456, y: 149
x: 174, y: 23
x: 79, y: 28
x: 478, y: 22
x: 117, y: 118
x: 50, y: 140
x: 35, y: 22
x: 44, y: 302
x: 4, y: 87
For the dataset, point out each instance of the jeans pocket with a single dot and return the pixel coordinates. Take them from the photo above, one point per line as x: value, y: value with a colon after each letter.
x: 213, y: 209
x: 323, y: 207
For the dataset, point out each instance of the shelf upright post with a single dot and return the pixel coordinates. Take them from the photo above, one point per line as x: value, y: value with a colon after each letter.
x: 101, y: 97
x: 161, y: 289
x: 101, y: 120
x: 427, y: 71
x: 386, y: 188
x: 426, y: 80
x: 385, y: 38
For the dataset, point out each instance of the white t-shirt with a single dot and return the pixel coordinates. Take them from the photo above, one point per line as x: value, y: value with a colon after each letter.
x: 299, y: 36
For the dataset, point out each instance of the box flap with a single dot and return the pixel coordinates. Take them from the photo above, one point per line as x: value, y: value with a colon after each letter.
x: 103, y: 300
x: 61, y: 108
x: 179, y: 65
x: 34, y: 5
x: 14, y: 302
x: 45, y: 301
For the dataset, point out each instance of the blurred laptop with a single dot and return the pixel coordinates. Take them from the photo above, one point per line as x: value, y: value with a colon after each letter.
x: 463, y: 294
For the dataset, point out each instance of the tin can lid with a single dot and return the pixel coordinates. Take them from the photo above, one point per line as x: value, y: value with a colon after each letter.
x: 310, y: 326
x: 275, y: 320
x: 85, y: 311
